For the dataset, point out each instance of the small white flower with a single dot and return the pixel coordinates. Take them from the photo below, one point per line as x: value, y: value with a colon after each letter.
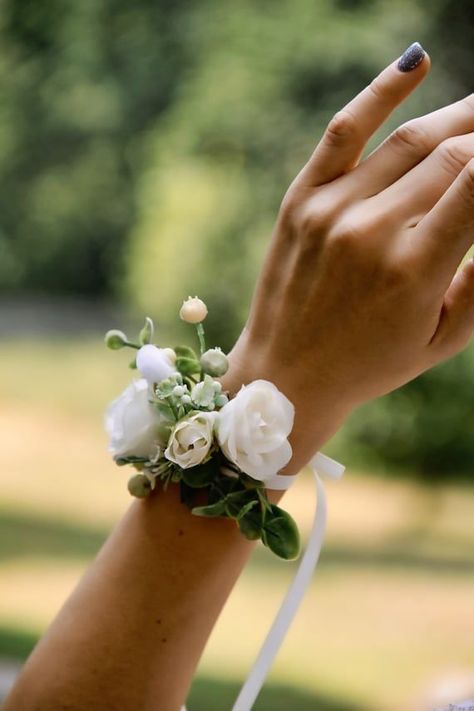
x: 193, y: 310
x: 252, y: 429
x: 203, y: 393
x: 154, y: 363
x: 191, y: 439
x: 135, y: 427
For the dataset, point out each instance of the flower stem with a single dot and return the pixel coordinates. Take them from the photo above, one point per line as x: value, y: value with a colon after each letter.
x: 200, y: 333
x: 132, y: 345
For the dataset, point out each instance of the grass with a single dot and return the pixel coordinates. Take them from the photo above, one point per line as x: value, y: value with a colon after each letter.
x: 389, y: 612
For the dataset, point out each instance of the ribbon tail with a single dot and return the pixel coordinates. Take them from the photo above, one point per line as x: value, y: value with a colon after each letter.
x: 289, y: 607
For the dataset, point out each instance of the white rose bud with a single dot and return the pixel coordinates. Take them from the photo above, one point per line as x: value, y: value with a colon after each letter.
x: 252, y: 429
x: 214, y: 362
x: 193, y: 310
x: 154, y: 364
x: 191, y: 439
x: 135, y: 427
x: 115, y: 339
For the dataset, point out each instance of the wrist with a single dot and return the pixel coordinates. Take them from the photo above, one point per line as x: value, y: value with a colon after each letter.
x: 319, y: 409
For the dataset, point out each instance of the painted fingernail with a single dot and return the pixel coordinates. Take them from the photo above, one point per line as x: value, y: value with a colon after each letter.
x: 411, y: 57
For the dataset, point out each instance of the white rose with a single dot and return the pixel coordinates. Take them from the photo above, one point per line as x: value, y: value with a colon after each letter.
x: 191, y: 439
x: 252, y: 429
x: 135, y: 427
x: 154, y: 363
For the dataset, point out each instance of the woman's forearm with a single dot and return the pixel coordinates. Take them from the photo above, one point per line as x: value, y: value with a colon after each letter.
x: 131, y: 634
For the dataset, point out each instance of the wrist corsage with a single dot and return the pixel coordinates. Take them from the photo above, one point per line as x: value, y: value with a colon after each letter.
x: 176, y: 425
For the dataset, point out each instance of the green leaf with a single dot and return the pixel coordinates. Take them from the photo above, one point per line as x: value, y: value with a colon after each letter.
x: 250, y: 523
x: 187, y: 366
x: 200, y: 476
x: 235, y: 502
x: 186, y: 494
x: 165, y: 410
x: 246, y: 508
x: 280, y: 534
x: 146, y: 334
x: 185, y: 352
x: 121, y: 461
x: 212, y: 510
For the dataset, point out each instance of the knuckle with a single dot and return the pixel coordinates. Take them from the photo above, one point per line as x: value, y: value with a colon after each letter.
x: 466, y: 185
x: 310, y: 221
x: 454, y: 154
x: 288, y: 208
x: 410, y: 136
x: 346, y: 236
x: 341, y: 126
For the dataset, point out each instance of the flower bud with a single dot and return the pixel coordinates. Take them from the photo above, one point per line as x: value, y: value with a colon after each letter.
x: 153, y: 364
x: 186, y: 399
x: 139, y: 486
x: 146, y: 334
x: 115, y: 339
x: 214, y: 362
x: 179, y: 390
x: 193, y: 310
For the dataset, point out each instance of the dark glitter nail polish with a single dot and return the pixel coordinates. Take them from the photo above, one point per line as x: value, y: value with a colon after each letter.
x: 411, y: 57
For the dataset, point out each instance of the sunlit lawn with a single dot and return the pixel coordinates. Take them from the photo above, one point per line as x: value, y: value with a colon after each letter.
x: 390, y: 611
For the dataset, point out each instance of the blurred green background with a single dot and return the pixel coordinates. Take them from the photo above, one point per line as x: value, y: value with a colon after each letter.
x: 144, y: 151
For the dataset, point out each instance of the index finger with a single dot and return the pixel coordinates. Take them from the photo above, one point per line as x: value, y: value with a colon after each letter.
x: 348, y: 132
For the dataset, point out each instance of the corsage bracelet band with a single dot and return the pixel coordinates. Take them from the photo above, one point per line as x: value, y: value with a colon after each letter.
x: 176, y: 424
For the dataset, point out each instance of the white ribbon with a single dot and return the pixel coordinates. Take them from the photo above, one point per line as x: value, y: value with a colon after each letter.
x: 328, y: 468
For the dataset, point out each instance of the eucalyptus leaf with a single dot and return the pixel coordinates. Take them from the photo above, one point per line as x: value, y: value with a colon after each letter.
x: 246, y: 508
x: 186, y: 494
x: 165, y: 388
x: 235, y: 501
x: 121, y: 461
x: 200, y: 476
x: 280, y: 533
x: 187, y: 366
x: 185, y: 352
x: 211, y: 510
x: 165, y: 410
x: 250, y: 524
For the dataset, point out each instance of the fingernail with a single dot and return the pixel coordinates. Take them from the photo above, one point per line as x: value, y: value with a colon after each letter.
x: 411, y: 57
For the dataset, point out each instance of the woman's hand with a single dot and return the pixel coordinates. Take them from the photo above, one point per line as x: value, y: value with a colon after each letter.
x: 359, y: 292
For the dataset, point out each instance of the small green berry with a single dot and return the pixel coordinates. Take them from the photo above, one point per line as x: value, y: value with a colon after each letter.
x: 214, y: 362
x: 139, y: 486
